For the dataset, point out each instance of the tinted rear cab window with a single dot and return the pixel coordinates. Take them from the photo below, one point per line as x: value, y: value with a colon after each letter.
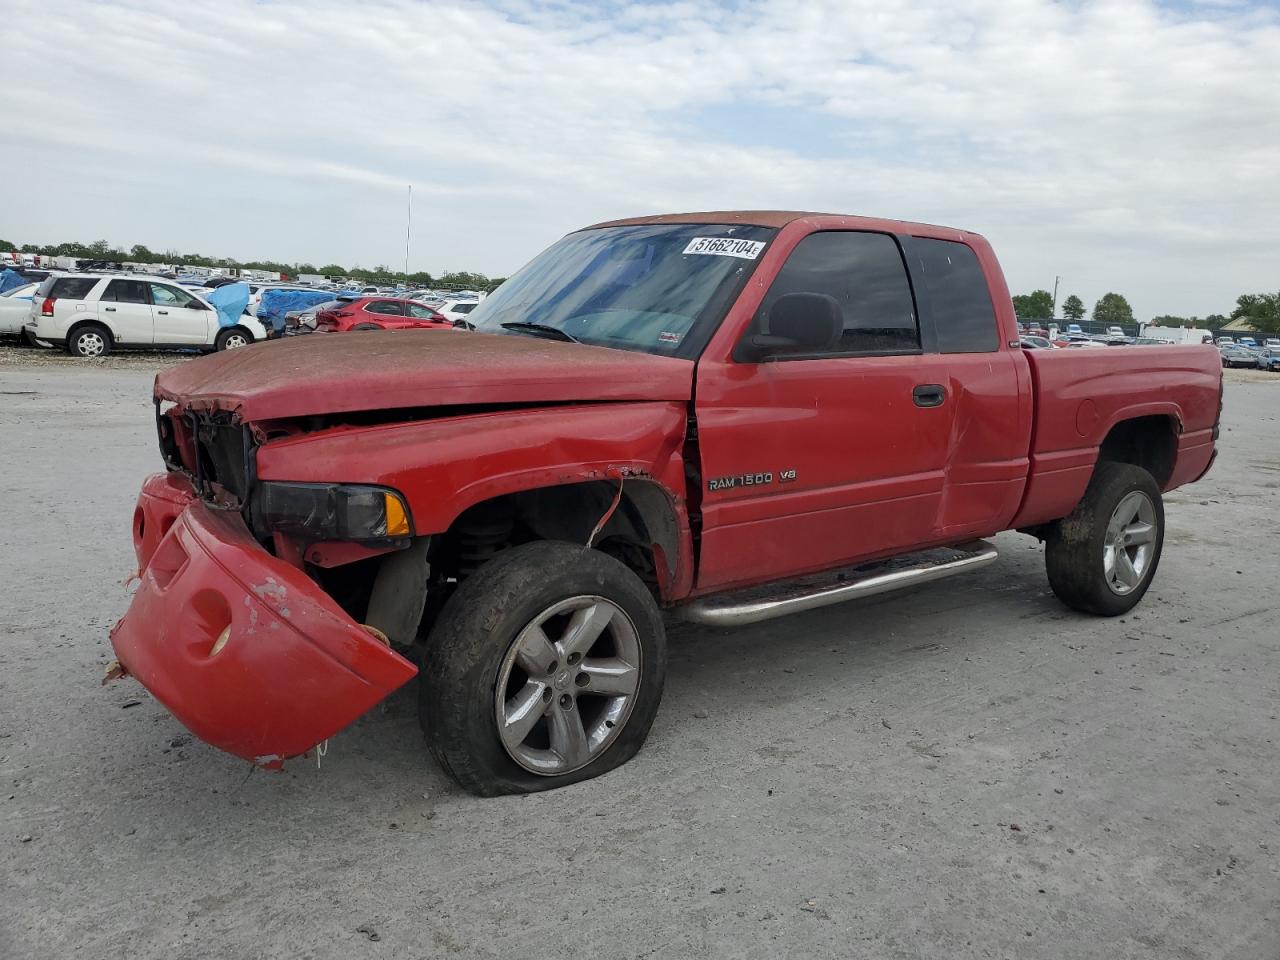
x: 959, y: 299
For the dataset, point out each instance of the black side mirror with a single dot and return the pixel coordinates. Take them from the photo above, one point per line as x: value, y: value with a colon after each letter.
x: 195, y: 305
x: 796, y: 323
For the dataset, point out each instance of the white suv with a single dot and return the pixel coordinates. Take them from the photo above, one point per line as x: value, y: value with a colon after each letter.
x: 92, y: 314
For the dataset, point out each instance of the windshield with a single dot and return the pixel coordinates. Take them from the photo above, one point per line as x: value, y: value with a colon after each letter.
x: 656, y: 288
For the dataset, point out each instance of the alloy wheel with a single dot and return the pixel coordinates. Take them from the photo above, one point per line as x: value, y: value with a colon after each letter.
x: 567, y: 685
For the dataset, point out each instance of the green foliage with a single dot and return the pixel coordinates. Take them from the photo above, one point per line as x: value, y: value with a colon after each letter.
x: 1073, y: 308
x: 1172, y: 321
x: 1037, y: 305
x: 6, y: 245
x: 1112, y: 308
x: 1215, y: 320
x: 1261, y: 311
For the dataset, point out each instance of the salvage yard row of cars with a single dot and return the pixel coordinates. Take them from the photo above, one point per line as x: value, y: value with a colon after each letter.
x: 728, y: 417
x: 91, y: 314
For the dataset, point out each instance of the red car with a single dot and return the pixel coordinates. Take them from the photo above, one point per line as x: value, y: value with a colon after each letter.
x: 368, y: 313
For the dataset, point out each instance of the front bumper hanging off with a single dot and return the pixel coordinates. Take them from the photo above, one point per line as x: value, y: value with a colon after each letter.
x: 243, y: 648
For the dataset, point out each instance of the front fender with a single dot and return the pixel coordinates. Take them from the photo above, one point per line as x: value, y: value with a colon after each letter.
x: 445, y: 466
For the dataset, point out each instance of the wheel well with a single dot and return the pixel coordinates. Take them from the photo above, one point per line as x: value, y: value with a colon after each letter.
x: 87, y: 322
x: 642, y: 532
x: 1147, y: 442
x: 243, y: 329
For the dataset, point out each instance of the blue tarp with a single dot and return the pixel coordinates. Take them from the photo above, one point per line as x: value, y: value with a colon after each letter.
x: 276, y: 303
x: 10, y: 279
x: 230, y: 300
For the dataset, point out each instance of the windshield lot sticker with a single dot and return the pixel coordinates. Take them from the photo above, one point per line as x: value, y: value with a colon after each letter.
x: 725, y: 247
x: 666, y: 336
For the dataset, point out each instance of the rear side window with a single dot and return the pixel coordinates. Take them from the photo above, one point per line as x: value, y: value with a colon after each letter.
x: 388, y: 308
x: 958, y: 296
x: 126, y: 291
x: 463, y: 307
x: 67, y: 288
x: 866, y: 275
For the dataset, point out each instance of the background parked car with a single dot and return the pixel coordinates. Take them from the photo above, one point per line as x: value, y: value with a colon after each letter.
x: 365, y: 313
x: 1269, y: 359
x: 15, y: 307
x: 1238, y: 356
x: 1036, y: 343
x: 456, y: 308
x: 92, y: 314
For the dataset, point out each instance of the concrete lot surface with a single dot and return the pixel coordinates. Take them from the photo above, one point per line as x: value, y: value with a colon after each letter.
x: 965, y: 770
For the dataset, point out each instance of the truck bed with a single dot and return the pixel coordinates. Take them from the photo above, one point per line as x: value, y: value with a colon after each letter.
x: 1081, y: 394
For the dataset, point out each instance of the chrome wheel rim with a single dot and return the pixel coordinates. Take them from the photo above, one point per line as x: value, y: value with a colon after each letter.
x: 91, y: 344
x: 1130, y: 543
x: 567, y: 685
x: 233, y: 341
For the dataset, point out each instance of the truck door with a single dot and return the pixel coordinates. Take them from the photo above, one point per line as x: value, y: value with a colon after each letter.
x: 988, y: 385
x: 179, y: 317
x: 814, y: 460
x: 126, y: 310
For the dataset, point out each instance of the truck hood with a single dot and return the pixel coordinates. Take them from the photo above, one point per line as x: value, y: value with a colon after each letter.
x: 334, y: 373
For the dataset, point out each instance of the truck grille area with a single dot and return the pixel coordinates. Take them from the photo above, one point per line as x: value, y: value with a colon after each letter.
x: 211, y: 449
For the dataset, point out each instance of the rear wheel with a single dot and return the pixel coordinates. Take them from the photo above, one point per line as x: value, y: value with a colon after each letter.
x: 1102, y: 557
x: 545, y: 668
x: 89, y: 340
x: 233, y: 337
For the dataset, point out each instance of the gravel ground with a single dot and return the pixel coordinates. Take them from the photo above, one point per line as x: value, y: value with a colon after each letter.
x: 967, y: 770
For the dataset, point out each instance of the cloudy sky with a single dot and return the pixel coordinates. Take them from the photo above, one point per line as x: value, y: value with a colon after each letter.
x: 1125, y: 145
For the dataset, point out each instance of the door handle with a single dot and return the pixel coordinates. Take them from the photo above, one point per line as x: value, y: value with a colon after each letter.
x: 165, y: 312
x: 110, y: 309
x: 929, y: 395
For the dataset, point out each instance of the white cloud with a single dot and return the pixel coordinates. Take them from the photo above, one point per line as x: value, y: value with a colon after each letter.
x: 1121, y: 144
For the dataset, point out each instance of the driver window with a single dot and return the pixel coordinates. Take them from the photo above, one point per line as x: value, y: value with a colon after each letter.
x: 866, y: 275
x: 163, y: 296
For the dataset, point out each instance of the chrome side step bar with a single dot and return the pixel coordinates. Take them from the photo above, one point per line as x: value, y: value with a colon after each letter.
x: 835, y: 586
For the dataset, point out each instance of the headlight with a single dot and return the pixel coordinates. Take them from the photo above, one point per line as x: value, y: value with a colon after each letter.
x: 331, y: 511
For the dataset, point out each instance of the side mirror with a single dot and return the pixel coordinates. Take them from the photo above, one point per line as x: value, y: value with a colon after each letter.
x: 796, y: 323
x: 195, y: 305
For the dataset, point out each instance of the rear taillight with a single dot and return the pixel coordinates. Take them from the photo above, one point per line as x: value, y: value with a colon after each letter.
x: 46, y: 308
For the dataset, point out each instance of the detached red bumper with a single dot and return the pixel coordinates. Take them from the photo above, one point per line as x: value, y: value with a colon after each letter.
x: 244, y: 649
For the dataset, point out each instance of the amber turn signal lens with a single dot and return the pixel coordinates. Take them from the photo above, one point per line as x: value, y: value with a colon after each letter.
x: 397, y: 520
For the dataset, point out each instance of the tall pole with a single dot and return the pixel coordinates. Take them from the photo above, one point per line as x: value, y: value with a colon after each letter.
x: 1054, y: 311
x: 408, y: 224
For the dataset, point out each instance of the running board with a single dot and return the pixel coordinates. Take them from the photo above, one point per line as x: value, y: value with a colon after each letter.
x: 754, y: 604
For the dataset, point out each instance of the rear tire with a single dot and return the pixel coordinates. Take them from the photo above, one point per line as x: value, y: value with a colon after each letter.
x: 1102, y: 557
x: 89, y: 340
x: 545, y: 668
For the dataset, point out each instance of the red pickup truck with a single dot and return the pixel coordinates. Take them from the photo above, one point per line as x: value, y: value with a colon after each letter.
x: 726, y: 416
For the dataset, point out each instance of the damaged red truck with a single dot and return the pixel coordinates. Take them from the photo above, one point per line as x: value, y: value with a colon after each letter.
x: 723, y: 416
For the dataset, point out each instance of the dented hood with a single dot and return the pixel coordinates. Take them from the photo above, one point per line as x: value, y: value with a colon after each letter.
x: 344, y: 372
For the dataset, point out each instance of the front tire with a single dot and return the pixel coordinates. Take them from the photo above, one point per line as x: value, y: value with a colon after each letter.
x: 89, y: 341
x: 545, y: 668
x: 1102, y: 557
x: 232, y: 338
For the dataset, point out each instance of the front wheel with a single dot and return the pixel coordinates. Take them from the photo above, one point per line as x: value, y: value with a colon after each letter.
x: 233, y: 337
x: 1101, y: 558
x: 545, y: 668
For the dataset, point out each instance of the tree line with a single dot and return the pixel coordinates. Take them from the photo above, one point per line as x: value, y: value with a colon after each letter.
x: 102, y: 250
x: 1261, y: 311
